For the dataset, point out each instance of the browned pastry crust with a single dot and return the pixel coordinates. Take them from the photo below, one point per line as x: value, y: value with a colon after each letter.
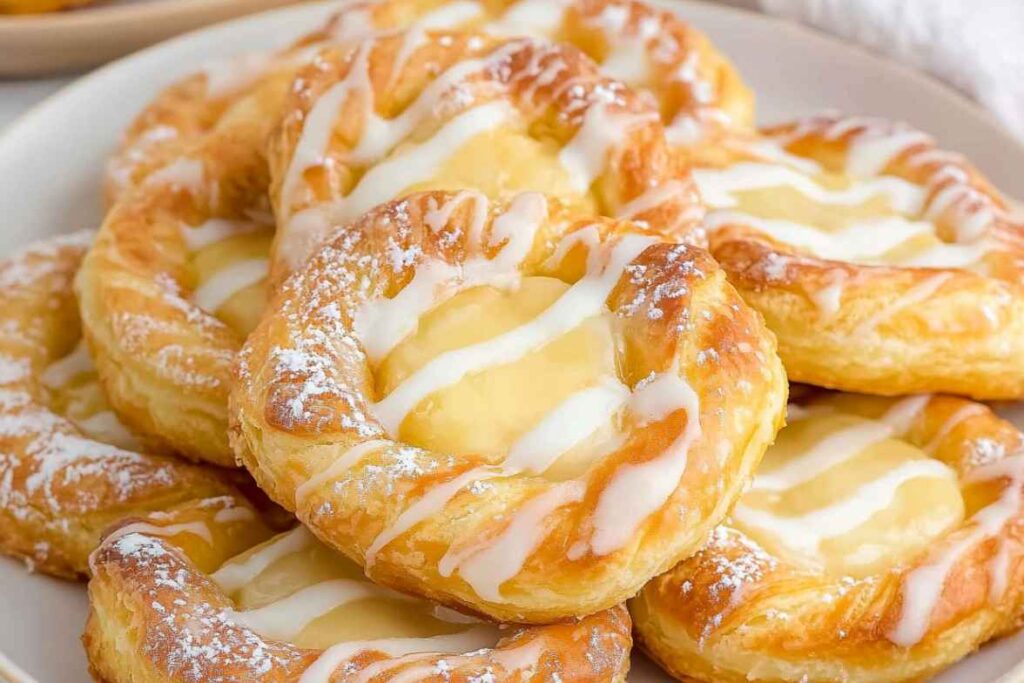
x: 553, y: 91
x: 59, y: 488
x: 301, y: 402
x: 156, y: 617
x: 897, y: 329
x: 735, y: 612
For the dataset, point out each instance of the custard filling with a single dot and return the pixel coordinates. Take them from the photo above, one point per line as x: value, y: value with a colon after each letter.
x: 296, y: 589
x: 845, y: 495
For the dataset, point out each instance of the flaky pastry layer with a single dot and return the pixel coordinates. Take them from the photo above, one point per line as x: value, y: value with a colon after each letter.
x: 59, y: 487
x: 737, y: 612
x: 306, y: 424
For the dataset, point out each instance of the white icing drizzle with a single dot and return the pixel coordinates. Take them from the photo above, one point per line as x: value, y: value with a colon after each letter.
x: 454, y: 643
x: 234, y: 575
x: 627, y: 58
x: 501, y: 558
x: 861, y: 241
x: 197, y: 528
x: 586, y: 155
x: 901, y: 416
x: 829, y: 298
x: 923, y: 586
x: 568, y: 424
x: 652, y: 198
x: 530, y: 18
x: 62, y: 371
x: 719, y: 186
x: 834, y: 449
x: 347, y: 460
x: 419, y: 163
x: 869, y: 153
x: 382, y: 324
x: 228, y: 281
x: 770, y: 150
x: 214, y: 230
x: 426, y: 506
x: 286, y: 618
x: 915, y: 295
x: 952, y: 422
x: 635, y: 491
x: 807, y: 532
x: 185, y: 173
x: 583, y: 300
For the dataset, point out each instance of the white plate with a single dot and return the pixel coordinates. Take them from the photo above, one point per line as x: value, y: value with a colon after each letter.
x: 50, y: 162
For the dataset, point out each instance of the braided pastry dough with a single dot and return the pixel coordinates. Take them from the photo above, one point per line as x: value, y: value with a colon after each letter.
x: 882, y: 264
x: 61, y: 483
x: 880, y: 541
x: 505, y: 406
x: 292, y: 610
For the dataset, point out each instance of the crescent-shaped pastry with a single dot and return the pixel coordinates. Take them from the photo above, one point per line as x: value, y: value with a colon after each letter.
x: 292, y: 610
x: 450, y: 110
x: 881, y: 540
x: 504, y: 406
x: 883, y: 264
x: 61, y: 480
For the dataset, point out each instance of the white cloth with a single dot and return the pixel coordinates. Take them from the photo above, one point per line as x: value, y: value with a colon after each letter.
x: 975, y: 45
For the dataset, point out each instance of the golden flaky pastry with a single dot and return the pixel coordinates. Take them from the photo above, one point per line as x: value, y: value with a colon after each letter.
x: 451, y: 110
x: 61, y: 480
x: 505, y: 406
x: 154, y: 299
x: 881, y: 540
x: 882, y: 264
x: 698, y: 92
x: 292, y: 610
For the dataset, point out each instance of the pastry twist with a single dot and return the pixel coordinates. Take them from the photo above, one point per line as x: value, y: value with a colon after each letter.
x: 880, y: 541
x: 286, y: 612
x: 882, y: 263
x: 507, y: 406
x: 61, y: 483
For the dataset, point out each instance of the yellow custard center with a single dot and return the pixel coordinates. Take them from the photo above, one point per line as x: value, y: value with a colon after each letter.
x: 490, y: 411
x: 838, y: 493
x: 228, y: 278
x: 832, y: 215
x: 74, y: 391
x: 314, y: 597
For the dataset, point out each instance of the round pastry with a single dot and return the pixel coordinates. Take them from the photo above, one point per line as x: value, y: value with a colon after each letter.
x: 700, y: 96
x: 292, y: 610
x: 415, y: 111
x: 504, y: 406
x: 61, y: 482
x: 177, y: 277
x: 879, y: 541
x: 39, y: 6
x: 883, y: 264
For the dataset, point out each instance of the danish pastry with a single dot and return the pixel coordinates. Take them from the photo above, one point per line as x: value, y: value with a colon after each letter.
x: 391, y: 115
x: 292, y: 610
x: 883, y: 264
x: 61, y: 483
x: 503, y: 406
x: 177, y: 277
x: 880, y: 541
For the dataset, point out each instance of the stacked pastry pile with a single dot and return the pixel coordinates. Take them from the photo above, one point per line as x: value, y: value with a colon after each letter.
x: 485, y: 297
